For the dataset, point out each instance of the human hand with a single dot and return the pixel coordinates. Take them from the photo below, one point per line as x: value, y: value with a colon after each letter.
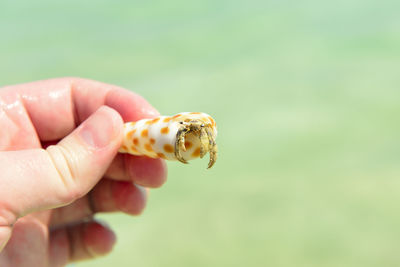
x: 59, y: 166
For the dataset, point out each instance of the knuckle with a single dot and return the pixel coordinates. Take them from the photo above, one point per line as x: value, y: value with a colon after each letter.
x: 66, y: 167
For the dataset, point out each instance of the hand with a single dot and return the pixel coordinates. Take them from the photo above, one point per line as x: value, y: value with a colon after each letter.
x: 59, y: 166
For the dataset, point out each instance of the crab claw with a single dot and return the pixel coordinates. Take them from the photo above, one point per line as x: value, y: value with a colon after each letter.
x: 178, y: 155
x: 213, y: 156
x: 204, y: 142
x: 180, y: 144
x: 213, y: 149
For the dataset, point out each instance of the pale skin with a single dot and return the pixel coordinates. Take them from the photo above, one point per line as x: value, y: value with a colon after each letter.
x: 59, y: 166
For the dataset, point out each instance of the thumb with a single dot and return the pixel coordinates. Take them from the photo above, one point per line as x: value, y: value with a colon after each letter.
x: 37, y: 179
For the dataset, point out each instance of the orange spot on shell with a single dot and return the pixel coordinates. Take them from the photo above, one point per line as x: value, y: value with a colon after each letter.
x: 212, y: 121
x: 145, y: 133
x: 136, y: 141
x: 124, y: 147
x: 164, y: 130
x: 152, y: 121
x: 196, y: 153
x: 161, y: 155
x: 133, y: 149
x: 148, y: 147
x: 167, y: 119
x: 176, y: 116
x: 152, y: 141
x: 188, y: 145
x: 195, y: 112
x: 133, y: 123
x: 129, y: 134
x: 168, y: 148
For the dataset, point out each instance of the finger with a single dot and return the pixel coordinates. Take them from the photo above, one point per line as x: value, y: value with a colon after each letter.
x: 117, y: 169
x: 20, y: 133
x: 106, y: 196
x: 56, y: 106
x: 40, y: 179
x: 26, y: 245
x: 78, y: 242
x: 144, y: 171
x: 141, y: 170
x: 5, y: 233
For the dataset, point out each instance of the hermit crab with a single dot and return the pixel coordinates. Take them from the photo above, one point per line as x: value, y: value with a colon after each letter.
x: 182, y: 137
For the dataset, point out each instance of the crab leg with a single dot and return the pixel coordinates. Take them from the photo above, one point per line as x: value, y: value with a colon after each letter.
x: 182, y: 137
x: 213, y: 149
x: 180, y: 144
x: 204, y: 147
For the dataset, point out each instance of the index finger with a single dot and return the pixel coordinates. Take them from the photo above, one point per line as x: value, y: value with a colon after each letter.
x: 55, y: 107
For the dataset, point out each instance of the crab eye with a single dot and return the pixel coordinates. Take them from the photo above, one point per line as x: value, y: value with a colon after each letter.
x: 181, y: 122
x: 202, y: 125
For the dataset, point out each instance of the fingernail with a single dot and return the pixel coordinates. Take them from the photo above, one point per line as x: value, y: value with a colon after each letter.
x: 151, y: 111
x: 100, y: 128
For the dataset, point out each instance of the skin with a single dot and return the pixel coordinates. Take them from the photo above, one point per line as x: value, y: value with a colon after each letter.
x: 59, y: 166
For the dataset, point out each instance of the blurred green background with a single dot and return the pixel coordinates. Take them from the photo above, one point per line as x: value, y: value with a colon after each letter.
x: 306, y: 97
